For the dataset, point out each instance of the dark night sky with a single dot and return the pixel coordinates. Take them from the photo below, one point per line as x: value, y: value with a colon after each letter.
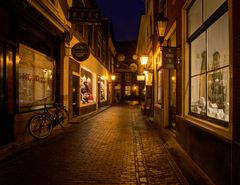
x: 125, y: 16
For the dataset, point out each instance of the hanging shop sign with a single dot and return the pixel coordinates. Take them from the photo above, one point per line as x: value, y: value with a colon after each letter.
x: 169, y: 57
x: 84, y: 15
x: 80, y: 51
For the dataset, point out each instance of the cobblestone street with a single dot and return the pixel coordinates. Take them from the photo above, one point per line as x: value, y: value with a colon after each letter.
x: 117, y: 146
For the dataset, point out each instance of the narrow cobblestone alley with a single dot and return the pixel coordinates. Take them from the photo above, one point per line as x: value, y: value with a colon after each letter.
x: 117, y: 146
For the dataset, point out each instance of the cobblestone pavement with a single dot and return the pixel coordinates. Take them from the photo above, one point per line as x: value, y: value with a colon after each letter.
x: 117, y: 146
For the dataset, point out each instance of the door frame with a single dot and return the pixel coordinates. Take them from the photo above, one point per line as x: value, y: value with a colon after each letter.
x: 7, y: 91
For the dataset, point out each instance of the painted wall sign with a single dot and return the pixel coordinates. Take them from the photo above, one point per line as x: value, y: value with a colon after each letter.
x: 80, y: 51
x: 169, y: 57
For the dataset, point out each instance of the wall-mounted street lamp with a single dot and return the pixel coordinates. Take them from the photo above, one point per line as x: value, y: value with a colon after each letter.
x: 162, y: 22
x: 143, y: 60
x: 113, y: 77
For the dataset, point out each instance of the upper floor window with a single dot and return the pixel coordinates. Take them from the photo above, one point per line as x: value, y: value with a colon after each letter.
x: 99, y: 45
x: 78, y: 3
x: 104, y: 52
x: 128, y: 77
x: 208, y: 36
x: 80, y: 28
x: 90, y: 35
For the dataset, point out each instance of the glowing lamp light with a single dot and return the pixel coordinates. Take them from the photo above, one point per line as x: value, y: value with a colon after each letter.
x: 144, y: 60
x: 113, y: 77
x: 162, y: 22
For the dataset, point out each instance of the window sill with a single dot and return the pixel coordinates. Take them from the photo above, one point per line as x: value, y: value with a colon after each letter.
x: 218, y: 131
x: 86, y: 104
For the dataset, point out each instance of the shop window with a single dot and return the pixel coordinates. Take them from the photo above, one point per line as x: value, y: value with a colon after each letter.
x: 159, y: 87
x: 36, y: 77
x: 87, y: 89
x: 99, y: 45
x: 209, y: 60
x: 128, y: 90
x: 103, y: 89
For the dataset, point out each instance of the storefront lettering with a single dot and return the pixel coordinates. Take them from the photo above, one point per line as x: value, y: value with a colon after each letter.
x: 30, y: 77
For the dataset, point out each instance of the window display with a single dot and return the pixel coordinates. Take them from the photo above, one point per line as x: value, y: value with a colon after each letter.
x: 103, y: 89
x: 128, y: 90
x: 159, y: 87
x: 209, y: 56
x: 87, y: 88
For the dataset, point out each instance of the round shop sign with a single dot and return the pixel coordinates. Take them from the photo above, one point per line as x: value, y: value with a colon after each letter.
x: 80, y: 51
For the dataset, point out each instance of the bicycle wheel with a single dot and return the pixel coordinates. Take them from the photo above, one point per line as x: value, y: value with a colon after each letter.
x: 63, y: 118
x: 40, y: 126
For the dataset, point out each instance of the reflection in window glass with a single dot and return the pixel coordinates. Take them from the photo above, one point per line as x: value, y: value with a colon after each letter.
x: 218, y: 95
x: 198, y: 94
x: 195, y: 17
x: 210, y: 7
x: 198, y: 55
x: 218, y: 43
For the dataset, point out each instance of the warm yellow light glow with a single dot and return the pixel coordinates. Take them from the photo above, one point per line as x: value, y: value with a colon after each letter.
x: 134, y: 87
x: 103, y: 77
x: 140, y: 77
x: 144, y: 60
x: 145, y: 72
x: 113, y: 77
x: 173, y: 78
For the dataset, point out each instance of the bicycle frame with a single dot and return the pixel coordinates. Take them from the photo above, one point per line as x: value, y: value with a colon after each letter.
x: 41, y: 124
x: 53, y: 115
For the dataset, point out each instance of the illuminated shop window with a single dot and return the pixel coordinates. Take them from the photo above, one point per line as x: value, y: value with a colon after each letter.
x: 87, y: 87
x: 208, y: 35
x: 128, y: 90
x: 159, y: 87
x: 103, y: 89
x: 36, y: 78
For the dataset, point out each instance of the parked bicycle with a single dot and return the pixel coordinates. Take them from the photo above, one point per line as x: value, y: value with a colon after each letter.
x: 41, y: 125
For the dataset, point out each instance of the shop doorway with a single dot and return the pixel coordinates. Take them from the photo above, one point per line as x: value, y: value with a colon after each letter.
x: 172, y: 98
x: 7, y: 90
x: 75, y: 95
